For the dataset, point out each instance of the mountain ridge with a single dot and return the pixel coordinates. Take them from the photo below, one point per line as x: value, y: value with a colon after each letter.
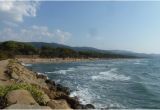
x: 86, y: 48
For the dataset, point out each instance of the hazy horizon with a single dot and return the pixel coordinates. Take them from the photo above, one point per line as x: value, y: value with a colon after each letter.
x: 132, y: 26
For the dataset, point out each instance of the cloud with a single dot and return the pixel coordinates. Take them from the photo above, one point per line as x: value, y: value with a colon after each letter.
x: 64, y: 36
x: 35, y: 34
x: 15, y: 11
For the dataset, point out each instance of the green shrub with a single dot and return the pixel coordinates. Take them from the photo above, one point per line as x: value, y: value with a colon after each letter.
x: 37, y: 94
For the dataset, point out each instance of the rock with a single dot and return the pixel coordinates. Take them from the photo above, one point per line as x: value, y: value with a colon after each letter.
x: 8, y: 73
x: 15, y: 76
x: 63, y: 89
x: 80, y: 106
x: 3, y: 102
x: 46, y: 99
x: 89, y: 106
x: 58, y: 104
x: 42, y: 76
x: 20, y: 97
x: 11, y: 74
x: 73, y: 102
x: 24, y: 106
x: 51, y: 82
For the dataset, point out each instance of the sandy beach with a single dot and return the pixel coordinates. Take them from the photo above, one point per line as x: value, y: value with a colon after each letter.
x: 54, y: 60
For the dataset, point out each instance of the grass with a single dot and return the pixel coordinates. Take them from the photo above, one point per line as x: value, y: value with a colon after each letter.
x: 37, y: 94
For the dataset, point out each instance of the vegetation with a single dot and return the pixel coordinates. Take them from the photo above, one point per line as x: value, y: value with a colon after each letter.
x: 37, y: 94
x: 10, y: 49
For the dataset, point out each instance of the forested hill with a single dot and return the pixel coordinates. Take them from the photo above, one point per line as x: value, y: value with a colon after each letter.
x: 10, y: 49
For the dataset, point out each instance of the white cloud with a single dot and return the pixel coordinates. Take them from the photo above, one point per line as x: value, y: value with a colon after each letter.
x: 35, y: 33
x: 64, y: 36
x: 15, y: 11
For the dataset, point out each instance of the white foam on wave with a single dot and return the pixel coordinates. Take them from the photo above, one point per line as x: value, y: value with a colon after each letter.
x: 111, y: 75
x: 142, y: 62
x: 137, y: 62
x: 109, y: 105
x: 26, y: 64
x: 62, y: 71
x: 83, y: 95
x: 42, y: 74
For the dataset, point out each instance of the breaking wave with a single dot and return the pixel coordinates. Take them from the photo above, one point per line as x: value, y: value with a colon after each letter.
x: 83, y: 95
x: 110, y: 75
x: 62, y: 71
x: 25, y: 64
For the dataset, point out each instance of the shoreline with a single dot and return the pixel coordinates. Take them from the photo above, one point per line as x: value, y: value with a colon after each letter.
x: 55, y: 60
x: 62, y: 60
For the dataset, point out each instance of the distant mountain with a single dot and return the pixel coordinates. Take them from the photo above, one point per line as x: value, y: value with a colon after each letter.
x: 40, y: 44
x: 118, y: 52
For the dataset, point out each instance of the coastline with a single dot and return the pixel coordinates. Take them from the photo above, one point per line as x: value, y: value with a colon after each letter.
x: 19, y: 80
x: 55, y: 60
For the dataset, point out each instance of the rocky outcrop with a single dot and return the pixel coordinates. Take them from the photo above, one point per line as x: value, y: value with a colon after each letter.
x: 58, y: 104
x: 55, y: 96
x: 19, y: 73
x: 20, y: 97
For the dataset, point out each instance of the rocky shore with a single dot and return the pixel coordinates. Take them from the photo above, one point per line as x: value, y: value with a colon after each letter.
x: 21, y: 88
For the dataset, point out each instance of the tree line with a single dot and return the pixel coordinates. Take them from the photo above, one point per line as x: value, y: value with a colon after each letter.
x: 10, y: 49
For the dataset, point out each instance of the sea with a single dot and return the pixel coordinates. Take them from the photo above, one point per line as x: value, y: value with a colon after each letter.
x: 112, y: 83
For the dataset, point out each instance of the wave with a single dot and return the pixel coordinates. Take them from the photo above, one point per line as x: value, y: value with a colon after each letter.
x: 25, y: 64
x: 83, y: 95
x: 62, y: 71
x: 110, y: 75
x: 138, y: 62
x: 110, y: 105
x: 42, y: 74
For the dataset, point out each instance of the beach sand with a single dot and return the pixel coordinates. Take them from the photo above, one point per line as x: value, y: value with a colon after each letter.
x: 54, y: 60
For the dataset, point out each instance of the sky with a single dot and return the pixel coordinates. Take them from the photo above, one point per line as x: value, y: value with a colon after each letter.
x: 108, y: 25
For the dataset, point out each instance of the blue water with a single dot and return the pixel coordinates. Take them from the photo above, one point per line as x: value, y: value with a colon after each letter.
x: 122, y: 83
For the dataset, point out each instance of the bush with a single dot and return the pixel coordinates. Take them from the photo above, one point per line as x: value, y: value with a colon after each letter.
x: 37, y: 94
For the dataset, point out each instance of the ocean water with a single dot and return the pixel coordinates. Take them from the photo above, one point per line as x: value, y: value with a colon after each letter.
x: 117, y: 83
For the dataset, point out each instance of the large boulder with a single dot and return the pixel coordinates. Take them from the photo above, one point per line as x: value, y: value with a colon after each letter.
x: 58, y: 104
x: 20, y: 97
x: 24, y: 106
x: 73, y: 102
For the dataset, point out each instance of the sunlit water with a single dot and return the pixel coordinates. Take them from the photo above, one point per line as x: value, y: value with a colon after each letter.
x: 122, y: 83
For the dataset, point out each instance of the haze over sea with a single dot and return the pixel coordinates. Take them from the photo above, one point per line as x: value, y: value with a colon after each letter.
x: 122, y: 83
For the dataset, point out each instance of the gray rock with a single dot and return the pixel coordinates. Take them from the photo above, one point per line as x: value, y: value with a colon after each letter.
x: 20, y: 97
x: 58, y: 104
x: 15, y: 76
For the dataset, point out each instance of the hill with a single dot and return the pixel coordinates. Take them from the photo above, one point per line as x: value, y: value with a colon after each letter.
x: 10, y: 49
x: 117, y: 52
